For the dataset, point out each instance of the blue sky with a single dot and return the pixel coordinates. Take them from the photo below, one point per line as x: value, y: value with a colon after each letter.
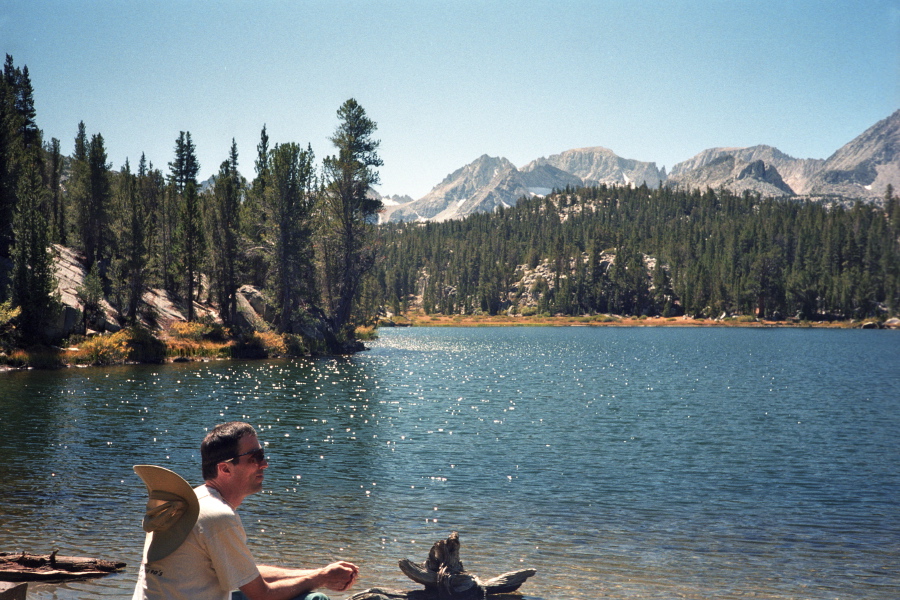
x: 449, y: 81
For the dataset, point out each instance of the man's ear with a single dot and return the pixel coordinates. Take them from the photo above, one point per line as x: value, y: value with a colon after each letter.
x: 223, y: 468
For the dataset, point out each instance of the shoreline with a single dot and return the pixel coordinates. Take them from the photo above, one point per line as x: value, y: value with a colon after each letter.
x: 436, y: 320
x: 215, y: 351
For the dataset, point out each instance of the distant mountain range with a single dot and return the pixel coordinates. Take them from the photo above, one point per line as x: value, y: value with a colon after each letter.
x: 861, y: 169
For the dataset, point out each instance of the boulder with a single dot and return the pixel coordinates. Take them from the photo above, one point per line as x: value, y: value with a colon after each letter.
x: 259, y: 303
x: 252, y: 310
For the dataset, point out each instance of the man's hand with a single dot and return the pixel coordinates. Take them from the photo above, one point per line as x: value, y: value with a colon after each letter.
x: 339, y: 576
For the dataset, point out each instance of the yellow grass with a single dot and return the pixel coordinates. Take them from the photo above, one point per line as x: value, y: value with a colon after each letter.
x: 420, y: 319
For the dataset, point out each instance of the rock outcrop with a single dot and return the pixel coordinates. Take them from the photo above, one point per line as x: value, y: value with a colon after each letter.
x: 731, y: 173
x: 157, y: 309
x: 595, y: 166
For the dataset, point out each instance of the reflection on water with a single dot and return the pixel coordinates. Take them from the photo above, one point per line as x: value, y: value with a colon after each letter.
x: 623, y: 463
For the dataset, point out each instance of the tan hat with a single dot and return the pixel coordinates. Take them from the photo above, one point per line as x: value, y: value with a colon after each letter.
x: 171, y: 510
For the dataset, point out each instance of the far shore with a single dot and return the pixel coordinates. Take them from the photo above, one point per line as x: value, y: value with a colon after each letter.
x: 437, y: 320
x: 109, y: 352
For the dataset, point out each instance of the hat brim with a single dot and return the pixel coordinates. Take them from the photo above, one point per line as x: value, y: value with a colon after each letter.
x: 161, y: 544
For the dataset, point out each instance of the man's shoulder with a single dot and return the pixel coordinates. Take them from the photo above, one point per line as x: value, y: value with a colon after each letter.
x: 212, y: 506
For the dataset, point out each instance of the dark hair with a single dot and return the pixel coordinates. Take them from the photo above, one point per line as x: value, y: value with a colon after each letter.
x: 222, y: 443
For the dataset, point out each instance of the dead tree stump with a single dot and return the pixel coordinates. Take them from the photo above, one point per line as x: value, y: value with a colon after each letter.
x: 445, y: 578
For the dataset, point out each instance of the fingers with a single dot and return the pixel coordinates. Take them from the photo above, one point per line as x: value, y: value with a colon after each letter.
x: 342, y: 575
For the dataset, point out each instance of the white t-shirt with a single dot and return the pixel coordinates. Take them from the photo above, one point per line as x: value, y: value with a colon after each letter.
x: 212, y: 561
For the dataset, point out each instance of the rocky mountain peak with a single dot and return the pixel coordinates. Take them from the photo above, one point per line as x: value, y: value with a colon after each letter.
x: 860, y: 169
x: 864, y: 166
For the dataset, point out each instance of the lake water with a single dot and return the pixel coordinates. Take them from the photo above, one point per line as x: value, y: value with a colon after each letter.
x: 618, y: 462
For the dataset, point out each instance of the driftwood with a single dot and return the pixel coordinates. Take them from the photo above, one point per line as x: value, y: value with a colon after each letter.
x: 50, y: 567
x: 444, y: 578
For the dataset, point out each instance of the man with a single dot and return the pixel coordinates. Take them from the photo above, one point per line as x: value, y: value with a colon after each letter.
x: 213, y: 558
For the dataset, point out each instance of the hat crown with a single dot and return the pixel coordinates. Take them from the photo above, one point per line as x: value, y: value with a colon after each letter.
x: 171, y: 512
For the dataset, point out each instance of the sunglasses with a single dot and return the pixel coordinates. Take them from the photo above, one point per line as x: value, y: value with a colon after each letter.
x: 257, y: 455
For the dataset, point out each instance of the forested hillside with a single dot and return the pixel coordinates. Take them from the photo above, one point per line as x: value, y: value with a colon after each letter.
x: 642, y: 251
x: 302, y: 235
x: 299, y: 232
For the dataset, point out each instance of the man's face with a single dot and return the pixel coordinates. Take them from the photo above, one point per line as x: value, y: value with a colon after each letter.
x: 248, y: 472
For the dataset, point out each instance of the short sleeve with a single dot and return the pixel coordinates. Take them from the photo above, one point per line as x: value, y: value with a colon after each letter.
x: 229, y: 555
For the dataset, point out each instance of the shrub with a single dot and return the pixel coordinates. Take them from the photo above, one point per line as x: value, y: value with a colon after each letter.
x: 248, y: 346
x: 260, y: 345
x: 366, y: 333
x: 204, y: 329
x: 103, y: 350
x: 8, y: 314
x: 35, y: 357
x: 42, y: 357
x: 144, y: 347
x: 15, y: 359
x: 296, y: 345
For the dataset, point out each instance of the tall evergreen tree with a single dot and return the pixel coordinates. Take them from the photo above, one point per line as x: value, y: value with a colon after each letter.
x: 10, y: 149
x: 58, y: 232
x: 189, y: 230
x: 33, y: 278
x: 349, y: 213
x: 224, y: 239
x: 289, y: 200
x: 78, y: 191
x: 20, y: 143
x: 254, y: 216
x: 95, y: 221
x: 132, y: 234
x: 185, y: 167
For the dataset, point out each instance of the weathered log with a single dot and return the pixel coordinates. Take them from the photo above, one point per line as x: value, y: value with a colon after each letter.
x: 418, y: 573
x: 50, y: 567
x: 444, y: 578
x: 508, y: 582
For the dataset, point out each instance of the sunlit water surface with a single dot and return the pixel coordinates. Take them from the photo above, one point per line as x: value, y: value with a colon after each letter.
x: 619, y: 463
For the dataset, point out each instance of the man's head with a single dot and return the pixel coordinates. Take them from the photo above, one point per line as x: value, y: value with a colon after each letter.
x: 222, y: 444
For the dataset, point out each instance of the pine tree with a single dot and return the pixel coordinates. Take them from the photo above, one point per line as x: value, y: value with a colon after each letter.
x: 190, y: 232
x: 58, y: 232
x: 224, y: 237
x: 132, y: 233
x: 33, y: 279
x: 20, y: 143
x: 95, y: 222
x: 77, y: 191
x: 189, y: 228
x: 289, y: 200
x: 10, y: 149
x: 254, y: 218
x: 349, y: 213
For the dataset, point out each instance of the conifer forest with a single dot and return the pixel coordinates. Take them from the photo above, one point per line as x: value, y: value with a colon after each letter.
x: 300, y: 232
x: 640, y: 251
x: 304, y: 232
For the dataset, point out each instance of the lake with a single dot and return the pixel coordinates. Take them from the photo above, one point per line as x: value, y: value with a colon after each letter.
x: 706, y: 463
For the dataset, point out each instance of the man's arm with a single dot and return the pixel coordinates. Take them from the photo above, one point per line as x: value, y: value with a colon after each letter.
x: 277, y: 583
